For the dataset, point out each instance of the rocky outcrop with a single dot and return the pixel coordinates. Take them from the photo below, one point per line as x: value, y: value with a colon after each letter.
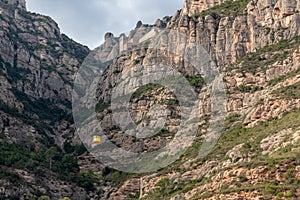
x: 254, y: 45
x: 37, y: 68
x: 229, y: 37
x: 232, y: 174
x: 55, y: 188
x: 192, y: 7
x: 18, y: 3
x: 256, y: 50
x: 130, y: 187
x: 38, y: 65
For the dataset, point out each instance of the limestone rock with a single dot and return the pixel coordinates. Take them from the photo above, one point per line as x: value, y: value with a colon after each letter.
x: 18, y: 3
x: 192, y: 7
x: 38, y: 65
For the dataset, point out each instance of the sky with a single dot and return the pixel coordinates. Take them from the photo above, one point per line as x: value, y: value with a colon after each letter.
x: 87, y: 21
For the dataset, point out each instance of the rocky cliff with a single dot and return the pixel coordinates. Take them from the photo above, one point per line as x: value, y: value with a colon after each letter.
x: 254, y: 44
x: 37, y: 68
x: 17, y: 3
x: 38, y: 65
x: 234, y: 28
x: 192, y: 7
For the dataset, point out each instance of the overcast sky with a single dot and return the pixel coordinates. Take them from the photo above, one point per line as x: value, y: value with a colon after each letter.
x: 86, y: 21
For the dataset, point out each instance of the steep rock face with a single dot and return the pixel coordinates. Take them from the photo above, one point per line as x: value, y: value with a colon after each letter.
x: 18, y: 3
x: 228, y: 36
x: 256, y: 46
x: 38, y: 64
x: 259, y: 101
x: 230, y: 32
x: 192, y: 7
x: 114, y: 46
x: 37, y: 69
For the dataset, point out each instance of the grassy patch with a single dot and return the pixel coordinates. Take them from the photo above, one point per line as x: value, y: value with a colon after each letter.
x: 247, y: 89
x: 117, y: 178
x: 239, y: 134
x: 268, y: 189
x: 289, y: 92
x: 145, y: 89
x: 135, y: 196
x: 196, y: 81
x: 254, y: 61
x: 101, y: 106
x: 226, y: 9
x: 232, y: 119
x: 167, y: 189
x: 283, y: 77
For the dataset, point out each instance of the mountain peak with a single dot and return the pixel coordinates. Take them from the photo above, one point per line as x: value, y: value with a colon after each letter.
x: 18, y: 3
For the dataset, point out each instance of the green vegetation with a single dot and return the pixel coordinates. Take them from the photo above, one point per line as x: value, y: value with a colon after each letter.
x: 144, y: 89
x: 239, y: 134
x: 44, y: 108
x: 16, y: 73
x: 254, y: 61
x: 135, y: 196
x: 284, y: 77
x: 166, y: 188
x: 101, y: 106
x: 44, y: 197
x: 231, y: 8
x: 7, y: 6
x: 289, y: 92
x: 86, y: 179
x: 39, y: 126
x: 78, y: 149
x: 196, y: 81
x: 193, y: 151
x: 10, y: 176
x: 290, y: 176
x: 13, y: 73
x: 247, y: 89
x: 231, y: 119
x: 269, y: 190
x: 75, y: 49
x: 117, y: 178
x: 27, y: 157
x: 236, y: 133
x: 39, y: 160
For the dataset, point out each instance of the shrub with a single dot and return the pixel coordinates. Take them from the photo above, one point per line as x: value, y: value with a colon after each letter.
x: 254, y: 61
x: 144, y: 89
x: 289, y: 92
x: 101, y: 106
x: 232, y: 8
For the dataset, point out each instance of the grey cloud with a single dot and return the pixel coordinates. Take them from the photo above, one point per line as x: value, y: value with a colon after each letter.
x: 88, y: 21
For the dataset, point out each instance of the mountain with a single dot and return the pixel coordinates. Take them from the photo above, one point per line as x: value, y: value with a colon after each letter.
x: 254, y: 46
x: 38, y: 65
